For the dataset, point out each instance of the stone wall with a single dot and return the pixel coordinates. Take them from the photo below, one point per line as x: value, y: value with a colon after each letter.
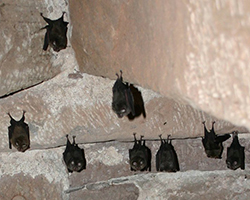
x: 187, y: 62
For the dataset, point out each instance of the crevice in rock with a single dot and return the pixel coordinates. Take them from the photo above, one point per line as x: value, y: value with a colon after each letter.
x: 21, y: 90
x: 131, y: 141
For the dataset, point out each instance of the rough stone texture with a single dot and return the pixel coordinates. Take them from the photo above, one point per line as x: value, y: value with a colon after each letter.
x: 33, y: 175
x: 111, y: 160
x: 82, y: 107
x: 121, y: 192
x: 188, y: 185
x: 197, y: 55
x: 23, y: 62
x: 193, y: 51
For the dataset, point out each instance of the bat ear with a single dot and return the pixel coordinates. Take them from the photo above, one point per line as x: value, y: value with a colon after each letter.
x: 23, y: 117
x: 74, y: 140
x: 12, y: 120
x: 49, y: 21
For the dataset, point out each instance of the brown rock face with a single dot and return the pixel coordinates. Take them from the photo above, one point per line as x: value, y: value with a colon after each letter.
x: 23, y: 63
x: 195, y: 52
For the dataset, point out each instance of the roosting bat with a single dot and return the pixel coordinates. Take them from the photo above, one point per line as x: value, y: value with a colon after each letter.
x: 140, y: 156
x: 123, y: 101
x: 74, y: 156
x: 166, y: 157
x: 213, y: 143
x: 235, y: 154
x: 19, y: 135
x: 56, y: 34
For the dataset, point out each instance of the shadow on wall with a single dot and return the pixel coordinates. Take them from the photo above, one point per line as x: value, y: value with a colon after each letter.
x: 138, y: 103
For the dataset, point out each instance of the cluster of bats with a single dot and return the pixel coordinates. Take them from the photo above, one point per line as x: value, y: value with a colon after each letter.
x: 140, y: 155
x: 123, y: 105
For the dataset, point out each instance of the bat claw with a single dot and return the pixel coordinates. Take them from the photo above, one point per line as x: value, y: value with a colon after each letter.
x: 204, y: 122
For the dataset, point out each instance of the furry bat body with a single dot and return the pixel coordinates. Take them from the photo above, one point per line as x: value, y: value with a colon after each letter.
x: 74, y: 157
x: 166, y: 157
x: 140, y: 156
x: 56, y: 35
x: 123, y: 101
x: 19, y: 135
x: 235, y: 154
x: 213, y: 143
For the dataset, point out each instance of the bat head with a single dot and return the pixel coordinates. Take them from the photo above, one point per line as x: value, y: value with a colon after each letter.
x: 233, y: 163
x: 58, y: 39
x: 138, y: 163
x: 21, y: 143
x: 215, y: 152
x: 76, y: 165
x: 121, y: 109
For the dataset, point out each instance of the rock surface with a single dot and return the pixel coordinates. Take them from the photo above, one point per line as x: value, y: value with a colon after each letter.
x: 197, y: 56
x: 195, y: 52
x: 23, y: 62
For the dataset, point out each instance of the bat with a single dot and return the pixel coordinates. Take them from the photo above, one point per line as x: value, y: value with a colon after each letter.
x: 138, y: 103
x: 235, y: 154
x: 74, y: 156
x: 140, y: 156
x: 166, y: 157
x: 19, y: 135
x: 56, y: 34
x: 123, y: 101
x: 212, y: 143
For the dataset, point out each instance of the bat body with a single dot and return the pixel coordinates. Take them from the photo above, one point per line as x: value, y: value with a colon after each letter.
x: 19, y: 135
x: 74, y: 156
x: 123, y: 101
x: 235, y: 154
x: 140, y: 156
x: 56, y: 35
x: 213, y: 143
x: 166, y: 157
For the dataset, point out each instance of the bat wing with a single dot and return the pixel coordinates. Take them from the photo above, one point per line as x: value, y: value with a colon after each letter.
x: 222, y: 138
x: 130, y: 100
x: 10, y: 136
x: 242, y: 157
x: 84, y: 159
x: 149, y: 156
x: 158, y: 160
x: 46, y: 41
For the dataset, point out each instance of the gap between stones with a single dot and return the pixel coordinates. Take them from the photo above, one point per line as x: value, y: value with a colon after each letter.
x: 131, y: 141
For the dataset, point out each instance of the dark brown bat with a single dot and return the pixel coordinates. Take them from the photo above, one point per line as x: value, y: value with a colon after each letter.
x: 213, y: 143
x: 166, y: 157
x: 74, y: 156
x: 123, y: 101
x: 140, y: 156
x: 235, y: 154
x: 19, y: 135
x: 56, y: 34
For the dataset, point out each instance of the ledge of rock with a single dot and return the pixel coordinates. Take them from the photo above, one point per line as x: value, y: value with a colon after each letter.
x: 195, y: 52
x: 22, y: 59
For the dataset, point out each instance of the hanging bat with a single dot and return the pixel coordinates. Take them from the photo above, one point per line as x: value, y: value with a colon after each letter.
x: 56, y: 34
x: 166, y: 157
x: 140, y: 156
x: 19, y: 135
x: 74, y: 156
x: 123, y: 101
x: 213, y: 143
x: 235, y: 154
